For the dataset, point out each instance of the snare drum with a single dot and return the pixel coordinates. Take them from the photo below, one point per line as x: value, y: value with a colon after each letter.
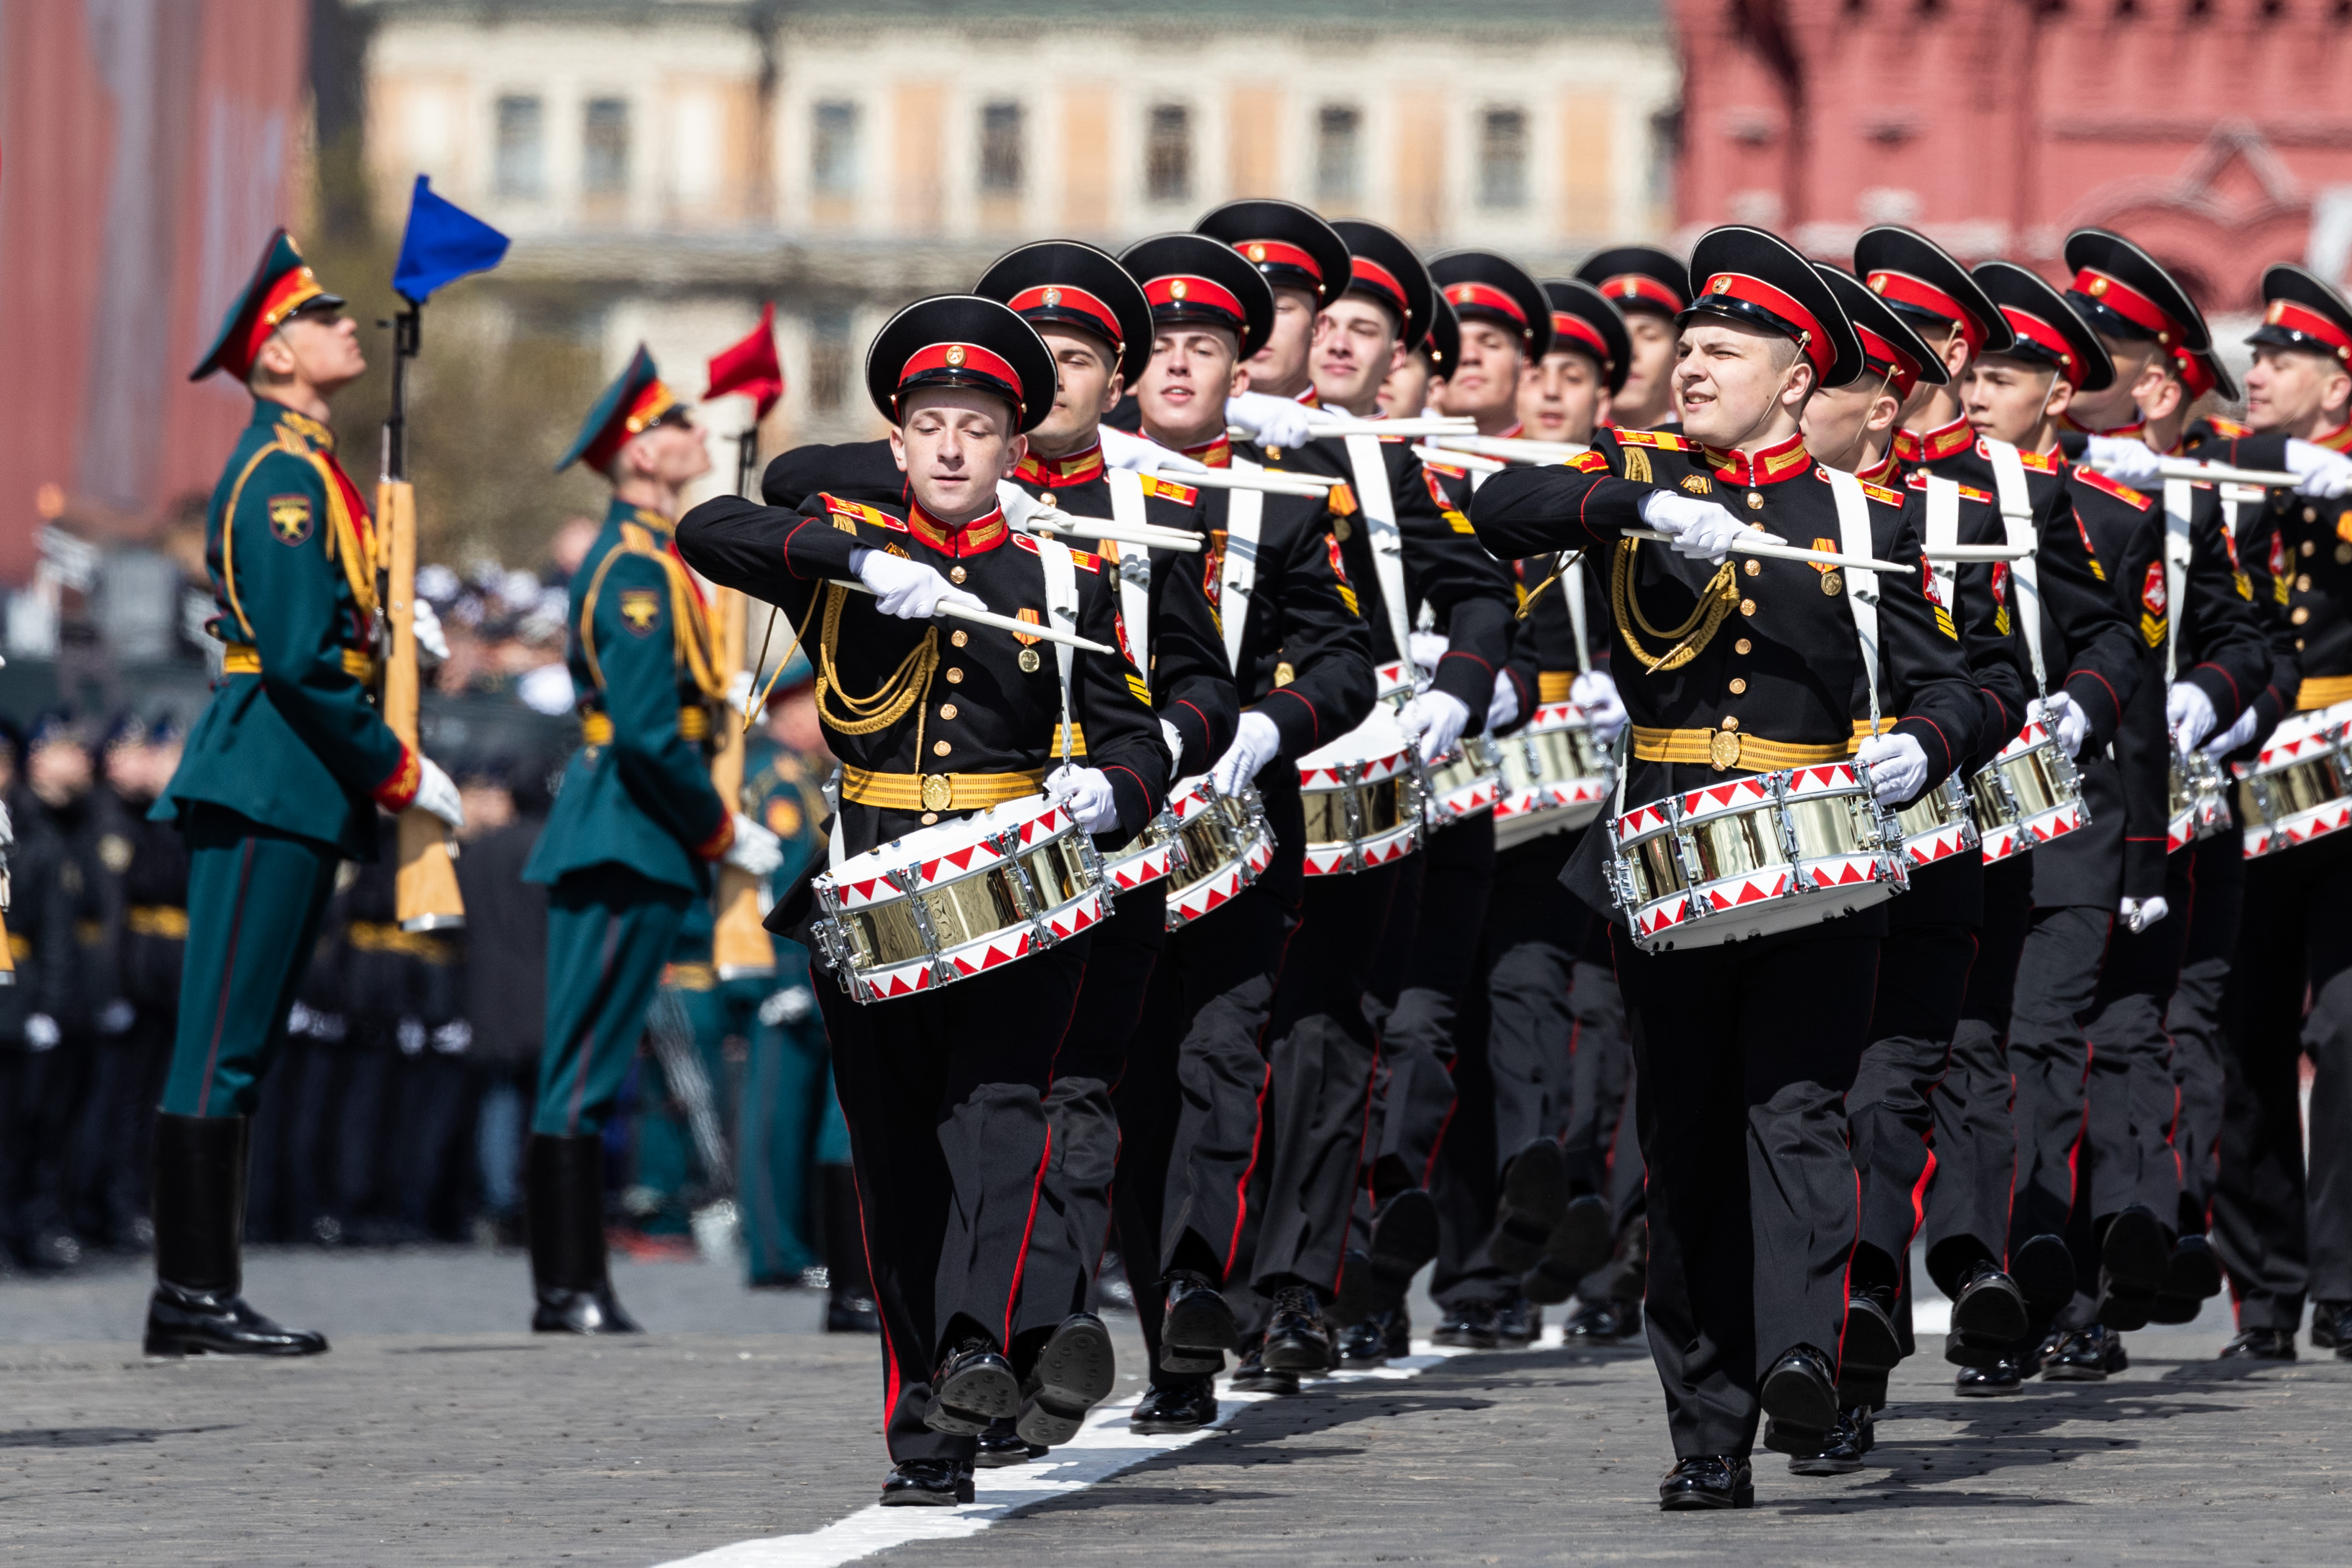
x: 2029, y: 796
x: 1555, y: 776
x: 1361, y: 795
x: 1156, y: 853
x: 1938, y: 825
x: 1463, y: 782
x: 2300, y: 786
x: 949, y: 902
x: 1225, y: 842
x: 1754, y: 855
x: 2199, y: 802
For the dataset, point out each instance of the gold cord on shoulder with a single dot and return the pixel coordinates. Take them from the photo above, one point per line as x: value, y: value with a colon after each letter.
x: 1716, y: 601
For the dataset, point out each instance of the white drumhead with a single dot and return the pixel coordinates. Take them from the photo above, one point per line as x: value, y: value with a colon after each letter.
x: 943, y: 838
x: 1377, y: 739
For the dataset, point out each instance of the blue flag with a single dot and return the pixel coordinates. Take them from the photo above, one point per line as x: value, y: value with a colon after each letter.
x: 444, y: 243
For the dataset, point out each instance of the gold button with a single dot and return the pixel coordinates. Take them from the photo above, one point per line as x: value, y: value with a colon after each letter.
x: 955, y: 574
x: 1756, y: 498
x: 2302, y: 613
x: 929, y: 817
x: 1738, y: 685
x: 2302, y: 582
x: 940, y: 749
x: 947, y: 710
x: 2298, y: 645
x: 2308, y: 547
x: 2344, y: 555
x: 2311, y: 514
x: 1730, y: 722
x: 1743, y: 646
x: 1747, y: 607
x: 959, y: 638
x: 1753, y: 566
x: 955, y: 671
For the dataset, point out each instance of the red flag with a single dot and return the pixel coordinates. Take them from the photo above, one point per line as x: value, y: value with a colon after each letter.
x: 750, y: 366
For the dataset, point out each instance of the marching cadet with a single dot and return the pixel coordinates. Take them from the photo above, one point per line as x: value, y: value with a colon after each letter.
x: 635, y: 831
x: 1743, y: 1051
x: 944, y: 1088
x: 1650, y: 287
x: 1190, y: 1108
x: 278, y: 783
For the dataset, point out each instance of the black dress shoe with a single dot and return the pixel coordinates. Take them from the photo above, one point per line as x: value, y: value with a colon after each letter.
x: 1001, y: 1446
x: 927, y: 1483
x: 847, y: 1314
x: 1468, y: 1326
x: 2089, y: 1354
x: 1962, y: 1351
x: 2260, y: 1344
x: 2136, y: 1251
x: 1254, y: 1376
x: 1548, y: 1285
x: 180, y: 1322
x: 1605, y: 1322
x: 1990, y: 1308
x: 973, y: 1386
x: 1404, y: 1239
x: 1841, y: 1446
x: 1707, y: 1480
x: 1075, y: 1371
x: 1800, y: 1392
x: 1361, y: 1344
x: 2043, y: 1269
x: 1580, y: 1243
x: 1199, y: 1327
x: 1396, y: 1334
x: 1518, y: 1321
x: 2124, y: 1307
x: 2331, y: 1328
x: 2003, y: 1376
x: 2193, y: 1271
x: 1871, y: 1347
x: 1298, y: 1340
x: 1175, y: 1404
x: 1535, y: 1197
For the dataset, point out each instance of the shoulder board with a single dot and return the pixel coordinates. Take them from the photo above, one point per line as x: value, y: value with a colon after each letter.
x: 2040, y: 462
x: 1882, y: 495
x: 1918, y: 478
x: 1182, y: 495
x: 1078, y: 557
x: 860, y: 512
x: 2121, y: 492
x: 1342, y: 503
x: 1664, y: 441
x: 2229, y: 429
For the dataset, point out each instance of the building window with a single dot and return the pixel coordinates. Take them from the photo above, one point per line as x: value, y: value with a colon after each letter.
x: 1502, y: 157
x: 1168, y: 153
x: 833, y: 149
x: 1338, y: 135
x: 523, y: 148
x: 605, y: 148
x: 1000, y: 148
x: 828, y: 385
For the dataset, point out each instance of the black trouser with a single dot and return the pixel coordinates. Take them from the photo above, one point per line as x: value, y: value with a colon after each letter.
x: 2217, y: 873
x: 2060, y: 1082
x: 1743, y: 1054
x: 41, y: 1093
x: 944, y: 1093
x: 111, y: 1153
x: 1074, y: 1205
x: 1967, y: 1216
x: 1322, y: 1055
x: 2136, y: 986
x: 1603, y: 1154
x: 2284, y: 1239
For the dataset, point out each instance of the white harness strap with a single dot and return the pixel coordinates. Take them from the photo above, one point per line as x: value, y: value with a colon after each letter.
x: 1371, y: 475
x: 1134, y: 596
x: 1944, y: 529
x: 1244, y: 520
x: 1572, y: 583
x: 2017, y: 524
x: 1861, y: 587
x: 1061, y: 611
x: 2177, y: 547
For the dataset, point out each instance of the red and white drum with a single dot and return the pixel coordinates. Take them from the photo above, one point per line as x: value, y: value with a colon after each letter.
x: 2199, y: 800
x: 1223, y: 843
x: 1555, y: 776
x: 1361, y: 795
x: 1938, y: 825
x: 2029, y: 796
x: 1754, y: 855
x: 946, y: 903
x: 2300, y: 786
x: 1463, y: 782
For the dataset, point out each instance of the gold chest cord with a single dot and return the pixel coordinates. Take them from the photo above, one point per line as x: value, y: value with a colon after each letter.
x: 1716, y: 601
x: 907, y: 684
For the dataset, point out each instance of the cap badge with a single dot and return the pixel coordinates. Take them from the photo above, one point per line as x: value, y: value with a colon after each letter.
x: 955, y: 354
x: 1257, y: 253
x: 1720, y: 282
x: 1053, y: 297
x: 2098, y: 287
x: 1176, y: 290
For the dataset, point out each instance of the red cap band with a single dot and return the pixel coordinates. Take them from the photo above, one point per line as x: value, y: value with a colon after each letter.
x: 1278, y: 253
x: 1483, y: 297
x: 1642, y: 287
x: 1077, y: 301
x: 652, y: 401
x: 1183, y: 290
x: 970, y: 359
x: 1920, y: 294
x: 1756, y: 291
x: 2042, y: 335
x: 1370, y: 275
x: 286, y: 296
x: 1882, y: 355
x: 2128, y: 303
x: 2301, y: 319
x: 1567, y: 324
x: 2193, y: 372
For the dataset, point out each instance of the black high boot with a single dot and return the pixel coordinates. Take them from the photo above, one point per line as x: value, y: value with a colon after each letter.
x: 199, y: 1234
x: 849, y: 1297
x: 564, y: 1187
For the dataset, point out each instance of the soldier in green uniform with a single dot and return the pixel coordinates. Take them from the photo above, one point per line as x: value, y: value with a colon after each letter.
x: 278, y: 784
x: 636, y: 826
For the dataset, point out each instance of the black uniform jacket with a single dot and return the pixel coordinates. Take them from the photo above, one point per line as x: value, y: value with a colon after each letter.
x: 1764, y: 650
x: 965, y: 703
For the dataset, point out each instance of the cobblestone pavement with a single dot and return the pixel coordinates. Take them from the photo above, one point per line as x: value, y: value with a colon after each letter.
x: 470, y: 1443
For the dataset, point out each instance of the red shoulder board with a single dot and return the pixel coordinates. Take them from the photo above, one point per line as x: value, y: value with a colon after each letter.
x: 2040, y: 462
x: 1085, y: 560
x: 1882, y: 495
x: 1589, y: 463
x: 2229, y: 429
x: 862, y: 513
x: 2121, y: 492
x: 1430, y: 465
x: 1918, y: 481
x: 1182, y: 495
x: 1661, y: 440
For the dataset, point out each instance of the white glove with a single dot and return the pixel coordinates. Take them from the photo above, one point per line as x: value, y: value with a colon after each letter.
x: 739, y: 692
x: 1125, y: 449
x: 427, y: 622
x: 1503, y: 708
x: 41, y: 1032
x: 1427, y: 648
x: 2139, y: 914
x: 1175, y: 739
x: 2324, y: 472
x: 1019, y: 504
x: 1701, y: 529
x: 1436, y: 719
x: 1899, y: 767
x: 2124, y: 460
x: 1271, y: 421
x: 2237, y: 735
x: 755, y: 849
x: 2062, y: 718
x: 1596, y: 692
x: 907, y: 588
x: 2189, y: 714
x: 1086, y: 792
x: 437, y: 792
x: 1255, y: 741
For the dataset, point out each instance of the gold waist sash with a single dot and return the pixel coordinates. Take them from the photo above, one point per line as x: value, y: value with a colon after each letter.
x: 1728, y: 749
x: 1553, y: 685
x: 2323, y: 691
x: 693, y: 723
x: 244, y: 659
x: 938, y: 791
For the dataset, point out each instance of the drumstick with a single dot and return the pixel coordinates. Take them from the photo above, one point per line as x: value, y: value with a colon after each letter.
x: 2223, y: 474
x: 1750, y: 544
x: 1978, y: 552
x: 1471, y: 461
x: 1103, y: 528
x: 1002, y: 622
x: 1311, y: 486
x: 1514, y: 448
x: 1418, y: 427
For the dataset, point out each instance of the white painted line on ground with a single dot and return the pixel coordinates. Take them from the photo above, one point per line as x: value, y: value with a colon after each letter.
x: 1103, y: 1448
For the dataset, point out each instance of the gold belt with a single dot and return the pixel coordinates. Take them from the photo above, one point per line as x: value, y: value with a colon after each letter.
x: 2323, y: 691
x: 244, y: 659
x: 158, y: 919
x: 693, y: 723
x: 1554, y: 685
x: 1726, y: 749
x: 938, y: 791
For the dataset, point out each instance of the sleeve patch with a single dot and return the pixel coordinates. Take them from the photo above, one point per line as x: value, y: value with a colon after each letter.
x: 290, y: 518
x: 1589, y: 463
x: 641, y: 610
x: 1458, y: 523
x: 1182, y: 495
x: 1339, y: 573
x: 1429, y: 472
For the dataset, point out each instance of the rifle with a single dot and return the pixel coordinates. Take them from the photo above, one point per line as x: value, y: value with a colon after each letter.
x: 739, y: 946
